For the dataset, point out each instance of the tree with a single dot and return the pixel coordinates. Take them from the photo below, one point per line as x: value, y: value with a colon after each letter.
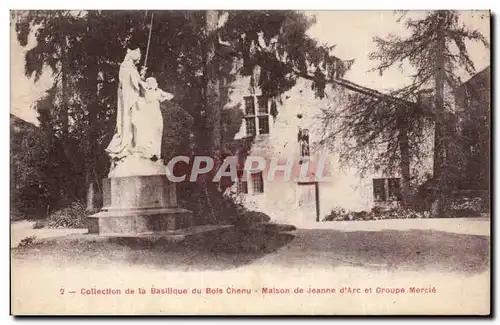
x: 82, y: 57
x: 191, y: 54
x: 430, y: 49
x: 363, y: 123
x: 29, y: 186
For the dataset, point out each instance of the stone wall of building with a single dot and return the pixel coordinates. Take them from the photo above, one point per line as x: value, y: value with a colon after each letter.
x: 296, y: 201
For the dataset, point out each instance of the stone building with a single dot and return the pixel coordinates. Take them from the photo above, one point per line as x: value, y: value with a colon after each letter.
x: 473, y: 101
x: 289, y: 132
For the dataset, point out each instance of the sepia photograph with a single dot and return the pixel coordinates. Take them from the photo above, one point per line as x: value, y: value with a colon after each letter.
x: 250, y: 162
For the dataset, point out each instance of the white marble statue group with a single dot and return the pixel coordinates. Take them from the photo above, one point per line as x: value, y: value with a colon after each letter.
x: 139, y: 122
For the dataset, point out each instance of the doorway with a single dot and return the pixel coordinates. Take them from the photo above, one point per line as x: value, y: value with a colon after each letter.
x: 308, y: 201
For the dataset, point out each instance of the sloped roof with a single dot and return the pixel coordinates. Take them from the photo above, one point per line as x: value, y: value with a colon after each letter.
x: 18, y: 124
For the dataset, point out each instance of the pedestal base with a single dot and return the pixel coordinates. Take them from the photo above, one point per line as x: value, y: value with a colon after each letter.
x: 137, y: 222
x: 139, y: 205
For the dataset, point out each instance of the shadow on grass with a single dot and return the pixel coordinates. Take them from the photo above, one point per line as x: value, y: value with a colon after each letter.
x: 216, y: 252
x: 393, y: 250
x: 402, y: 250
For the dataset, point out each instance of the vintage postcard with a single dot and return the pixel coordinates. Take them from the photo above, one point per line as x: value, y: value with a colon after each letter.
x: 250, y: 162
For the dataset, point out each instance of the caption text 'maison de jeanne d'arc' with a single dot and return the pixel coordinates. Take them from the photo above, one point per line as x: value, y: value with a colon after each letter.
x: 348, y: 290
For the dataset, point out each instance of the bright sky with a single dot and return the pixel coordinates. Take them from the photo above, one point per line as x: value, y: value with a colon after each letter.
x: 23, y: 91
x: 351, y: 31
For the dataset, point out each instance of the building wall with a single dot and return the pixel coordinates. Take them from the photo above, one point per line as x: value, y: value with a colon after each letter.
x: 473, y: 101
x: 293, y: 201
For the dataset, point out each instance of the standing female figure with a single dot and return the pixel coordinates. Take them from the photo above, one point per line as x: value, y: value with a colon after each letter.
x: 129, y: 89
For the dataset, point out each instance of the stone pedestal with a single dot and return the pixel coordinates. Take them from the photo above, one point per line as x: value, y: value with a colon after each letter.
x: 139, y: 205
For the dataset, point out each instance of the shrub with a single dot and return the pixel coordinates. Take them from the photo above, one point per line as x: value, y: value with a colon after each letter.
x: 27, y: 242
x: 249, y: 219
x: 474, y: 204
x: 337, y: 214
x: 73, y: 216
x: 16, y: 215
x: 377, y: 213
x: 39, y: 224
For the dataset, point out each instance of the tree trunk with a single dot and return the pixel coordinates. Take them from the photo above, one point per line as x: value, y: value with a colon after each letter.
x: 91, y: 195
x: 70, y: 191
x: 440, y: 137
x: 404, y: 150
x: 212, y: 94
x: 90, y: 181
x: 64, y: 106
x: 93, y: 190
x: 64, y: 90
x: 209, y: 131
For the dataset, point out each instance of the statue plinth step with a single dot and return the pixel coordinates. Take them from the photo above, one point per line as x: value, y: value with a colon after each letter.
x: 172, y: 235
x: 132, y: 222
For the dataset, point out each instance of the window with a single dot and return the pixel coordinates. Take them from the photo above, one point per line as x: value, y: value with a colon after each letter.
x: 242, y: 187
x: 258, y: 183
x: 303, y: 138
x: 379, y: 189
x: 263, y: 124
x: 394, y: 189
x: 250, y: 126
x: 257, y: 123
x: 262, y: 105
x: 249, y: 106
x: 386, y: 189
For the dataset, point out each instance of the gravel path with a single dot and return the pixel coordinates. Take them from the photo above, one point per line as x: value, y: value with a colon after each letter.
x: 451, y: 256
